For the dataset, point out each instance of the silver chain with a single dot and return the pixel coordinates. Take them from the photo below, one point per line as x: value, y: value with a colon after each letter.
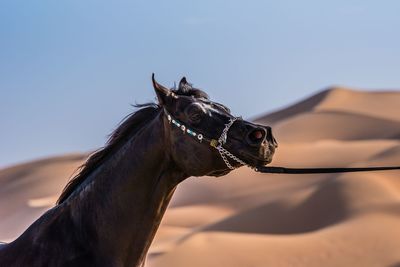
x: 222, y: 151
x: 224, y: 134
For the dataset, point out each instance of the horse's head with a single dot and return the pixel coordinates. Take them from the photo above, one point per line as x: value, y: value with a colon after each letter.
x: 205, y: 138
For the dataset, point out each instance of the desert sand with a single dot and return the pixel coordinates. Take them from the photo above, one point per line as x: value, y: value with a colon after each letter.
x: 252, y: 219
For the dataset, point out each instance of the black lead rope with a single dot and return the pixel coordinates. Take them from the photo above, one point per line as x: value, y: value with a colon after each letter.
x: 283, y: 170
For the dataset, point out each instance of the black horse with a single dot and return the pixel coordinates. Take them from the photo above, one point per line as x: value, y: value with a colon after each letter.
x: 108, y: 214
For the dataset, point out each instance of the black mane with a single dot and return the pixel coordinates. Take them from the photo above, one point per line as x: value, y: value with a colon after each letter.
x: 129, y: 126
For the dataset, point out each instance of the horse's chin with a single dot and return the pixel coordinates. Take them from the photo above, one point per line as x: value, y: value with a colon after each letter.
x: 219, y: 173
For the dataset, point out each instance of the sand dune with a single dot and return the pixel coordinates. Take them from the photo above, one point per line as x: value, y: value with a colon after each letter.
x: 335, y: 125
x: 383, y: 105
x: 24, y: 187
x: 358, y: 242
x: 380, y: 104
x: 252, y: 219
x: 338, y: 114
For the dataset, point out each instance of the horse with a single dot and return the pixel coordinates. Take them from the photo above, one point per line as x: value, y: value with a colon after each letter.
x: 107, y: 215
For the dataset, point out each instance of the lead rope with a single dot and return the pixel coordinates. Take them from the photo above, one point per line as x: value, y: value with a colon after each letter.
x: 282, y: 170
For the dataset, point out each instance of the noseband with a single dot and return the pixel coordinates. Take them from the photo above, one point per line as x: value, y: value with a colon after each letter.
x: 217, y: 144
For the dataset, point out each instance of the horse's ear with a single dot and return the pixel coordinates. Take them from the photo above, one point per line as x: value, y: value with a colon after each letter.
x: 183, y: 81
x: 184, y: 85
x: 162, y: 92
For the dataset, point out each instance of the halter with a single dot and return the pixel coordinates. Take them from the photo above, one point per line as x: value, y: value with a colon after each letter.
x: 217, y: 144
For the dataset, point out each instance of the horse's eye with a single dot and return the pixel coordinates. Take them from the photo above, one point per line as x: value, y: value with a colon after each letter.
x: 195, y: 117
x: 194, y: 113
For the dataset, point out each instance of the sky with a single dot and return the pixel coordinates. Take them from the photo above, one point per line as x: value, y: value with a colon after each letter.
x: 70, y: 70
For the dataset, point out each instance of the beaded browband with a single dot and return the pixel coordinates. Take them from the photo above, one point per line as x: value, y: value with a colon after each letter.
x: 217, y: 144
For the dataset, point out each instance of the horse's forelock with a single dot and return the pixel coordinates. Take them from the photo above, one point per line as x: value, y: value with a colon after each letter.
x: 190, y: 91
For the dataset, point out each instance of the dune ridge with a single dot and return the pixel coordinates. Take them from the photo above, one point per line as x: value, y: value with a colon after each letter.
x: 381, y: 104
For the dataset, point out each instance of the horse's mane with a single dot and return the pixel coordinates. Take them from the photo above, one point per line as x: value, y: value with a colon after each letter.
x: 129, y: 126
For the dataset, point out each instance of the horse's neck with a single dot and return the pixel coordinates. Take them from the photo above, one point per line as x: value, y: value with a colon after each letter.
x: 123, y: 203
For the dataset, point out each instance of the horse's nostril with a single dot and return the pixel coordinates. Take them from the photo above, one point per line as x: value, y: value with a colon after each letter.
x: 256, y: 136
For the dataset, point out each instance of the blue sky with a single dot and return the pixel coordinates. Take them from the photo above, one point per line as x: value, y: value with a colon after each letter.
x: 69, y: 70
